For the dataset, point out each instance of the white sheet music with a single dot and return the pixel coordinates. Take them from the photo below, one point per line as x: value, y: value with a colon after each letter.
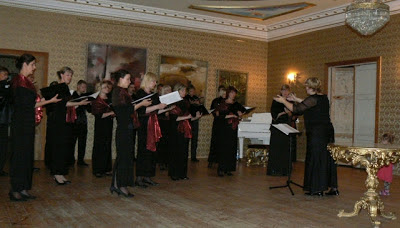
x: 170, y: 98
x: 286, y: 129
x: 138, y: 100
x: 93, y: 95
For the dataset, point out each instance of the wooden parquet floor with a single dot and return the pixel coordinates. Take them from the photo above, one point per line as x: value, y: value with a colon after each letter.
x: 243, y: 200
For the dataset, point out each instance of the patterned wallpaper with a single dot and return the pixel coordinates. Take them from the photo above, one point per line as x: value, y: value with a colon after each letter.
x: 308, y: 53
x: 65, y: 38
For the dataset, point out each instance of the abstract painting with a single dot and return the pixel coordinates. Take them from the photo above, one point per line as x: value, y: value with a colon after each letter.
x: 235, y: 79
x: 104, y: 59
x: 258, y: 12
x: 174, y: 70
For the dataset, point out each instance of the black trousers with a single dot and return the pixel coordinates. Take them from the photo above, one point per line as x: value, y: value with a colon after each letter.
x: 3, y: 145
x: 195, y: 136
x: 80, y: 134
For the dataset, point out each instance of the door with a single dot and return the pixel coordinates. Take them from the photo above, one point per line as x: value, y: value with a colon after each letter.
x: 352, y: 91
x: 365, y: 103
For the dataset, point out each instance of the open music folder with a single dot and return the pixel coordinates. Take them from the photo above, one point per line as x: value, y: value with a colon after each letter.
x: 286, y: 129
x: 170, y: 98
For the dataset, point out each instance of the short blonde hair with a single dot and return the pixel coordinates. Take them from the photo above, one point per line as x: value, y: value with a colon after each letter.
x: 147, y: 78
x: 313, y: 83
x: 164, y: 89
x: 179, y: 86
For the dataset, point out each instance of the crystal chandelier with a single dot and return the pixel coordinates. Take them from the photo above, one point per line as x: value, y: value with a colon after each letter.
x: 367, y: 16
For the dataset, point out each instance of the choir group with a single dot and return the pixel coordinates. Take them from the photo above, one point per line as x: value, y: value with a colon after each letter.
x: 163, y: 131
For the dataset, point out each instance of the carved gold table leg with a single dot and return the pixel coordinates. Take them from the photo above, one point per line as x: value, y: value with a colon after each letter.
x: 371, y: 200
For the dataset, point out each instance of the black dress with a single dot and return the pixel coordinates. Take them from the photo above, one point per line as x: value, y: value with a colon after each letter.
x: 101, y: 155
x: 212, y: 156
x: 227, y: 136
x: 123, y: 166
x: 59, y: 143
x: 163, y: 148
x: 5, y: 120
x: 179, y: 135
x: 147, y: 139
x: 277, y: 108
x: 22, y: 133
x: 320, y: 168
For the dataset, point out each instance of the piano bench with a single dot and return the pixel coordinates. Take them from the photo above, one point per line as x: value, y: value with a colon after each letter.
x: 257, y: 154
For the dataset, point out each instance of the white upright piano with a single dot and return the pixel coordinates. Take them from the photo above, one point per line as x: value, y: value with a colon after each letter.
x: 256, y: 128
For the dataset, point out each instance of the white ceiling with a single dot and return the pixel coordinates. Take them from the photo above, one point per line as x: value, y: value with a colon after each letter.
x: 177, y: 14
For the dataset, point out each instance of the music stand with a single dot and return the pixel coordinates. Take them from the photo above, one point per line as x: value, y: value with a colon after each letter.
x: 289, y: 131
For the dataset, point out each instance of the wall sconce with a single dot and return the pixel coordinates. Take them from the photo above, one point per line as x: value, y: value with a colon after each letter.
x: 291, y: 77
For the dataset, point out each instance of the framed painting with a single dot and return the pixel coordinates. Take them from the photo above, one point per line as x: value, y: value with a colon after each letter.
x: 104, y: 59
x: 174, y: 70
x: 255, y: 12
x: 235, y: 79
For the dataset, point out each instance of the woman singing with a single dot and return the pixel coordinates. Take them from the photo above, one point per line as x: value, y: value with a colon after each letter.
x: 149, y: 132
x: 180, y: 133
x: 103, y: 126
x: 280, y: 114
x: 320, y: 168
x: 123, y: 108
x: 60, y: 144
x: 23, y: 128
x: 229, y: 112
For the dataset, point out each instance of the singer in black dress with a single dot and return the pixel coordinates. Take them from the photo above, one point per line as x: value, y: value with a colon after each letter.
x: 123, y: 109
x: 25, y: 101
x: 180, y: 133
x: 320, y: 168
x: 64, y: 114
x: 149, y: 132
x: 228, y: 112
x: 281, y: 115
x: 103, y: 126
x: 212, y: 156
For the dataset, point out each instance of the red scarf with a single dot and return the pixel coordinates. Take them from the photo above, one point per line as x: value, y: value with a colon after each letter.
x: 184, y: 125
x: 38, y: 111
x: 153, y: 132
x: 22, y: 81
x: 233, y: 121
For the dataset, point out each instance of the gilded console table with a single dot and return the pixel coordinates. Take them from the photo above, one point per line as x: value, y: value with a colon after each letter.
x: 372, y: 157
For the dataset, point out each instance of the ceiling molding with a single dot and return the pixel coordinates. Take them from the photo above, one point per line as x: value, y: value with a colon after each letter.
x: 143, y: 14
x: 119, y: 11
x: 316, y: 21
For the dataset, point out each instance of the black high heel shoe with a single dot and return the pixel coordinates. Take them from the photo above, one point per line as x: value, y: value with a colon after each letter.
x: 229, y: 174
x: 127, y: 195
x: 27, y: 196
x: 15, y: 198
x: 150, y: 182
x: 332, y: 192
x: 141, y: 184
x: 174, y: 178
x: 314, y: 193
x: 114, y: 189
x: 59, y: 183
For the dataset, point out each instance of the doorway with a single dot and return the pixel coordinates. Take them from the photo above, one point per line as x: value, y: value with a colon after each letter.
x: 353, y: 91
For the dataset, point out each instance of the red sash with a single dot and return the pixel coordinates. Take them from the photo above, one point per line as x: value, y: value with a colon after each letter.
x: 153, y: 132
x: 234, y: 122
x: 185, y: 128
x: 38, y: 111
x: 71, y: 115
